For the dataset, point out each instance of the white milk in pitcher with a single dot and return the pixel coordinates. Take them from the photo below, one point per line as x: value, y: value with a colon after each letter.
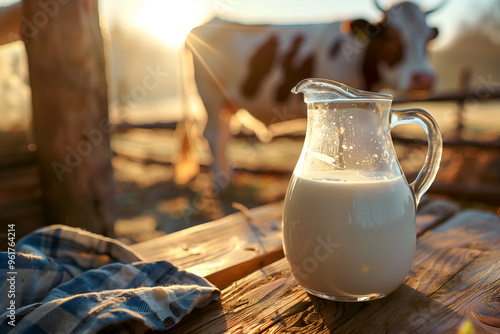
x: 350, y: 236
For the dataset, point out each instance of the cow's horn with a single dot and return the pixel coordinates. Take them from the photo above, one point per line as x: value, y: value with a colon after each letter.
x: 437, y: 7
x: 378, y: 6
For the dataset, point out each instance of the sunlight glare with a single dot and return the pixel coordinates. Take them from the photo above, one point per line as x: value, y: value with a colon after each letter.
x: 170, y: 21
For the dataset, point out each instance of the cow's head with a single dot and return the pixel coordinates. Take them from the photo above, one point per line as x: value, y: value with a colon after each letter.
x: 396, y: 55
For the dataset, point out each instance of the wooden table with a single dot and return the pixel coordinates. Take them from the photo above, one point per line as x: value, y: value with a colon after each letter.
x: 453, y: 285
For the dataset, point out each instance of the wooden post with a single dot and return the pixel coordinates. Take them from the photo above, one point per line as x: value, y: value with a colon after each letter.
x: 70, y: 111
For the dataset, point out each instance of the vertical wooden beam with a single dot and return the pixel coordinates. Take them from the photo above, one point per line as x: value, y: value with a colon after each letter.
x: 70, y: 111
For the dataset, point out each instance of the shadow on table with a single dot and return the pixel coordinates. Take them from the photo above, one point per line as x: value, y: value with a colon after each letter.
x: 406, y: 310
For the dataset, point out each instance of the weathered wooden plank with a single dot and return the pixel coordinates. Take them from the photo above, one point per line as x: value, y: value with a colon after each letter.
x: 209, y: 248
x: 475, y: 290
x: 20, y: 183
x: 21, y: 209
x: 453, y: 283
x: 226, y: 277
x: 17, y: 157
x: 487, y: 193
x: 428, y: 221
x: 452, y: 142
x: 288, y: 307
x: 20, y: 199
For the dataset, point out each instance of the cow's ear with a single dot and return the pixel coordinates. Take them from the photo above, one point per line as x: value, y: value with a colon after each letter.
x: 364, y: 28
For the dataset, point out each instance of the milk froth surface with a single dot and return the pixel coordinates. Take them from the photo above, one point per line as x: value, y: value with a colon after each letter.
x: 349, y: 234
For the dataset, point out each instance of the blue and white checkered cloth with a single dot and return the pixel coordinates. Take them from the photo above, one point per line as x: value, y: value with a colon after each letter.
x: 67, y: 280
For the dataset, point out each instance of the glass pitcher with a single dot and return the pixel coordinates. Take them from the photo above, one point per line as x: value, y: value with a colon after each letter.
x: 349, y: 230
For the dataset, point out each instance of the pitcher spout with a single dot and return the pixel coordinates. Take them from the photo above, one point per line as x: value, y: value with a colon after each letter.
x: 323, y: 90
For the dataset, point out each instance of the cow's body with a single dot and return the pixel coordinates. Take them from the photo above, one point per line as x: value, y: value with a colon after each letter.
x: 254, y: 75
x: 255, y: 67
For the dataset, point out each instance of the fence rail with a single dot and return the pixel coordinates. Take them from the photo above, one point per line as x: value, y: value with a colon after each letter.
x: 455, y: 97
x: 459, y: 97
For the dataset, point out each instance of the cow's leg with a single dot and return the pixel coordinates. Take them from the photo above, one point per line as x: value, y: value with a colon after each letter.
x: 186, y: 163
x: 218, y: 135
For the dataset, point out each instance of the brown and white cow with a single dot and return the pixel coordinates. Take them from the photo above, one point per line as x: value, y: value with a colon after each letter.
x: 255, y: 66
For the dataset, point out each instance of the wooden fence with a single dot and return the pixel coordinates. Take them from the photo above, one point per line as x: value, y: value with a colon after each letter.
x: 467, y: 183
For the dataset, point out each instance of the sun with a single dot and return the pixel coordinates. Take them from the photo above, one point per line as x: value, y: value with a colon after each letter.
x: 170, y: 21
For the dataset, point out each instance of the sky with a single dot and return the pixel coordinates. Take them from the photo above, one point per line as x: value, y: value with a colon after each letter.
x: 171, y: 20
x: 181, y: 15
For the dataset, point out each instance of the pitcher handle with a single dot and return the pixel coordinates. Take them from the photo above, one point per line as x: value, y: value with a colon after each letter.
x: 430, y: 168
